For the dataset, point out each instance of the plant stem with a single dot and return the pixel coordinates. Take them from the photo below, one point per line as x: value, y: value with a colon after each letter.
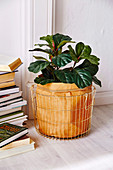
x: 74, y: 64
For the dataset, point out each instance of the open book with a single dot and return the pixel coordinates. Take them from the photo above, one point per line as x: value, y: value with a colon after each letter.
x: 8, y: 64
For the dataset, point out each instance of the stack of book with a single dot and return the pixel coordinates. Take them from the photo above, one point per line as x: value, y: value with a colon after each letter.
x: 11, y: 100
x: 14, y: 140
x: 13, y: 137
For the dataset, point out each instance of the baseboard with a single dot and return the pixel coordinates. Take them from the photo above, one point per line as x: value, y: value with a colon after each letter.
x: 103, y: 98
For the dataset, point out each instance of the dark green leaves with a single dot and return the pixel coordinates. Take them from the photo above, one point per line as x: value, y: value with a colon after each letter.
x: 92, y: 69
x: 86, y: 65
x: 40, y: 58
x: 82, y: 75
x: 64, y: 42
x: 64, y: 76
x: 49, y: 39
x: 93, y: 59
x: 37, y: 66
x: 86, y: 51
x: 60, y: 40
x: 83, y: 52
x: 41, y: 45
x: 72, y: 53
x: 48, y: 51
x: 79, y: 48
x: 61, y: 60
x: 82, y: 78
x: 43, y: 80
x: 48, y: 72
x: 96, y: 81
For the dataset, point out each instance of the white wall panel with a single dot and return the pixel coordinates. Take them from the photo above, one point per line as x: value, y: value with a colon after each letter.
x: 10, y: 30
x: 90, y: 21
x: 22, y: 22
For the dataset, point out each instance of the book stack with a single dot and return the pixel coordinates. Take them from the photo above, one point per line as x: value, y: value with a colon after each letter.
x: 14, y: 140
x: 11, y: 100
x: 13, y: 137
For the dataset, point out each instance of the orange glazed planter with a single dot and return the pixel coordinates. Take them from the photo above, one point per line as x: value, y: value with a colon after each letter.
x: 62, y: 110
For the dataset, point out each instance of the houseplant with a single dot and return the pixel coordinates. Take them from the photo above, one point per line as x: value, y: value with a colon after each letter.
x: 64, y: 95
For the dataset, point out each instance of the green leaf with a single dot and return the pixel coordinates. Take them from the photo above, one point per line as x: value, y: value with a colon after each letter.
x: 96, y: 81
x: 49, y: 39
x: 48, y: 51
x: 41, y: 45
x: 65, y: 52
x: 64, y: 76
x: 93, y: 59
x: 79, y: 48
x: 43, y: 80
x: 86, y: 51
x: 61, y: 60
x: 40, y: 58
x: 58, y: 38
x: 72, y: 53
x: 82, y: 78
x: 86, y: 65
x: 48, y: 72
x: 37, y: 66
x: 64, y: 42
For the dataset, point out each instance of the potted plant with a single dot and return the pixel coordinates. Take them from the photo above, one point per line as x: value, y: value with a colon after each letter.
x: 64, y: 94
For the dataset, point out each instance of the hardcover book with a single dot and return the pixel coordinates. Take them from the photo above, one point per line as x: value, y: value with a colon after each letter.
x: 11, y: 115
x: 10, y: 111
x: 4, y: 72
x: 9, y: 90
x: 13, y: 105
x: 10, y: 97
x: 7, y: 84
x: 7, y: 77
x: 16, y: 120
x: 24, y: 140
x: 10, y: 132
x: 6, y: 103
x: 17, y: 150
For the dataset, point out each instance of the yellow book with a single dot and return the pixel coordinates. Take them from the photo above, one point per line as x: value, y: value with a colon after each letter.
x: 9, y: 64
x: 7, y: 77
x: 7, y: 84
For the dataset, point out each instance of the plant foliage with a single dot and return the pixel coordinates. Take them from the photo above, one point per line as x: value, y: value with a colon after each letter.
x: 82, y: 75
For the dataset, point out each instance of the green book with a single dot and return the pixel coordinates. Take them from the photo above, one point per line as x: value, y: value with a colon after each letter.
x: 10, y: 132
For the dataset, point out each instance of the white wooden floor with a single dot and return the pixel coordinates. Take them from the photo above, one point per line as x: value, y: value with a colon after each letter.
x: 94, y: 152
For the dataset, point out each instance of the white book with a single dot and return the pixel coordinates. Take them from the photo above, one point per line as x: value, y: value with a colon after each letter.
x: 17, y: 150
x: 9, y: 90
x: 11, y: 102
x: 10, y: 96
x: 10, y: 111
x: 14, y: 105
x: 19, y: 122
x: 11, y: 115
x: 15, y: 120
x: 2, y: 72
